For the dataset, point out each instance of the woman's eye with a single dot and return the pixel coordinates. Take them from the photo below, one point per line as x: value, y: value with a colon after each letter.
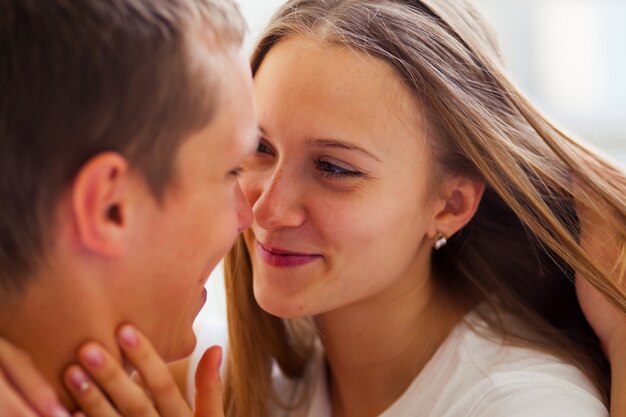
x: 334, y: 171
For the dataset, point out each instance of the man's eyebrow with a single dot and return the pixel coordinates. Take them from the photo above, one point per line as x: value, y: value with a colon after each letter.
x: 334, y: 143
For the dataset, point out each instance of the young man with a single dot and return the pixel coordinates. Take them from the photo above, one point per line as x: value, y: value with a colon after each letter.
x: 122, y: 127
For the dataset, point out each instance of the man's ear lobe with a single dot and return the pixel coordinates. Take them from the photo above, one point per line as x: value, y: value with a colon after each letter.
x: 461, y: 197
x: 99, y: 203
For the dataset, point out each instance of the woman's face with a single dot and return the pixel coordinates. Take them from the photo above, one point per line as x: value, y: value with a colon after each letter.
x: 341, y: 184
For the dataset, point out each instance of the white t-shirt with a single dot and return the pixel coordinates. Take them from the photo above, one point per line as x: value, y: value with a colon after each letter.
x: 469, y: 376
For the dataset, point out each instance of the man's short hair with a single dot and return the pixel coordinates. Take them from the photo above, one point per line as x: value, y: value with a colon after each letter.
x: 80, y: 77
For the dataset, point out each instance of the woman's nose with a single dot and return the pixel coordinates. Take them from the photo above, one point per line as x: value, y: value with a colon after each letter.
x: 279, y: 204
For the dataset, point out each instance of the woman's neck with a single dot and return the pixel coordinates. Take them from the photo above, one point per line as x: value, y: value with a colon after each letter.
x: 376, y: 349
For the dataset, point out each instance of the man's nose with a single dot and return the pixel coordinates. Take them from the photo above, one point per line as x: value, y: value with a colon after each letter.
x: 244, y: 210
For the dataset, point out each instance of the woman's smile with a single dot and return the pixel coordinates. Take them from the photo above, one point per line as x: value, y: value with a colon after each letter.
x: 282, y: 257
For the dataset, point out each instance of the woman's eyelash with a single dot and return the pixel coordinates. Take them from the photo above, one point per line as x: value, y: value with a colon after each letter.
x: 326, y: 168
x: 334, y: 171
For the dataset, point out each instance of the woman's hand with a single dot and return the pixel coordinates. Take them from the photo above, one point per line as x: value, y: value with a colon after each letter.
x: 208, y: 401
x: 610, y: 326
x: 103, y: 389
x: 23, y: 391
x: 599, y: 239
x: 608, y: 323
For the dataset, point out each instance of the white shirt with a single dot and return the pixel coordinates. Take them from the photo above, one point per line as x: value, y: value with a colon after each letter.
x: 469, y: 376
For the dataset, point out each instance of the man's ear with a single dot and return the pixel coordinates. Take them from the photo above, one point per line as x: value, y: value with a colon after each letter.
x: 100, y: 203
x: 457, y: 204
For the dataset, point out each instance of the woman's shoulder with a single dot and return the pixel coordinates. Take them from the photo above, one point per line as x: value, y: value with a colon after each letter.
x: 537, y: 392
x: 475, y: 374
x: 522, y: 381
x: 492, y: 355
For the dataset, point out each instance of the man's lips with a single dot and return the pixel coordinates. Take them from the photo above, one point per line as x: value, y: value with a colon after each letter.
x: 202, y: 299
x: 282, y: 257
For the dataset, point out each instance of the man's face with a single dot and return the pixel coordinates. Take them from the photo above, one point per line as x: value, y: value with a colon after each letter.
x: 182, y: 239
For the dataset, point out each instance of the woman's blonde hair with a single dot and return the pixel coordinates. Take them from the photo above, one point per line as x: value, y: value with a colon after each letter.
x: 522, y: 248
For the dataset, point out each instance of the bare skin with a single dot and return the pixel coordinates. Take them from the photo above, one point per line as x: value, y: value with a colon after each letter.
x: 158, y: 392
x: 600, y: 240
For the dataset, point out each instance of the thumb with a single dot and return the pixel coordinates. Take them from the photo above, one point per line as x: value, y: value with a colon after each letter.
x: 208, y: 401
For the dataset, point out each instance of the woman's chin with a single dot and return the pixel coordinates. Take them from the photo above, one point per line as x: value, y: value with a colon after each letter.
x: 283, y: 306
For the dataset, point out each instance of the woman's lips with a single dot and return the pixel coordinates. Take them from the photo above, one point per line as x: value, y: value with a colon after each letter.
x: 283, y: 258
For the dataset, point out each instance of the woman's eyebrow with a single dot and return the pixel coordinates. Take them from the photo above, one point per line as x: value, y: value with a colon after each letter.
x: 339, y: 144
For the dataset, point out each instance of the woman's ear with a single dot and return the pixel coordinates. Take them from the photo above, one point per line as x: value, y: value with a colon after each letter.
x: 457, y: 204
x: 99, y: 203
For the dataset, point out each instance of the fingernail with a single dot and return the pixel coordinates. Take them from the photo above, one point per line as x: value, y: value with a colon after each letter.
x: 219, y: 362
x: 93, y: 357
x: 79, y: 380
x: 128, y: 336
x: 136, y: 377
x: 59, y: 411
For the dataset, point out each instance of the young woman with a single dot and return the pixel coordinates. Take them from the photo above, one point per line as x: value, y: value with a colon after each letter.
x: 416, y: 229
x: 410, y: 200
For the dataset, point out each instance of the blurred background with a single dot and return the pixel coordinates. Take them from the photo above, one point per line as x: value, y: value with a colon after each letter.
x: 569, y: 56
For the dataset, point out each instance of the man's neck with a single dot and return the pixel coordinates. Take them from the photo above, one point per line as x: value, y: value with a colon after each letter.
x: 50, y: 320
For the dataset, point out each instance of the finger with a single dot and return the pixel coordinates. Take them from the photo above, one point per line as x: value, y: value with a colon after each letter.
x: 127, y: 397
x: 11, y: 403
x: 20, y: 372
x: 135, y: 376
x: 154, y: 372
x: 209, y: 395
x: 87, y: 394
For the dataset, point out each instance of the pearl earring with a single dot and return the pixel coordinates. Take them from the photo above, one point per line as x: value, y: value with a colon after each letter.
x: 440, y: 242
